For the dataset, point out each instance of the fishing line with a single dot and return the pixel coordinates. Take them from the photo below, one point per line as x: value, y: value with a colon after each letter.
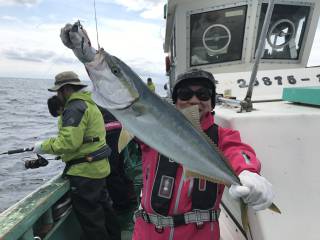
x: 95, y: 17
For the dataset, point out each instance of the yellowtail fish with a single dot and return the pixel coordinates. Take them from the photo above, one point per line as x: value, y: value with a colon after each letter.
x: 159, y: 124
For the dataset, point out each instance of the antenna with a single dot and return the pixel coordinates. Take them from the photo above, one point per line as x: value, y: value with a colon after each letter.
x: 95, y: 17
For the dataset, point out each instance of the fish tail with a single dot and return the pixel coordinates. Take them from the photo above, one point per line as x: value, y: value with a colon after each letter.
x: 245, y: 217
x: 273, y: 207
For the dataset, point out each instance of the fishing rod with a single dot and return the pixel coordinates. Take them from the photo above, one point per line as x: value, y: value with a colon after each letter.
x: 95, y: 18
x: 36, y: 163
x: 20, y: 150
x: 40, y: 161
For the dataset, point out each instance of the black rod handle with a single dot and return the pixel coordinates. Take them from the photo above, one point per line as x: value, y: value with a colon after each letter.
x: 21, y: 150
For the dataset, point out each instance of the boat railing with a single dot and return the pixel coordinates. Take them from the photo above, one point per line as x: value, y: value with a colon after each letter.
x: 36, y: 211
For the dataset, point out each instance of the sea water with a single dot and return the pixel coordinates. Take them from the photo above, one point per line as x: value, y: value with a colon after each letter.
x: 24, y: 120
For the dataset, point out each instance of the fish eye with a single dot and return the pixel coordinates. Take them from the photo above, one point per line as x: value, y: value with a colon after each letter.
x: 115, y: 70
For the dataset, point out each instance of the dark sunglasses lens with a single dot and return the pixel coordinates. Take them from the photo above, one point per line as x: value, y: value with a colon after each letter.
x: 185, y: 94
x: 203, y: 94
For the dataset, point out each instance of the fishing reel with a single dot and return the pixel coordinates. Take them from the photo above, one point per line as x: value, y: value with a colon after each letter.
x: 36, y: 163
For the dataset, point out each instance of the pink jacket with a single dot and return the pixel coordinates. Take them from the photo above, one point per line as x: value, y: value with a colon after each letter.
x: 232, y: 147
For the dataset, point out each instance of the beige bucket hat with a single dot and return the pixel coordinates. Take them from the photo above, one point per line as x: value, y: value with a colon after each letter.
x: 65, y: 78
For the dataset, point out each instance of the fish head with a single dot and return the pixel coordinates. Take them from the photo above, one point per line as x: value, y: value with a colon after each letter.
x: 112, y: 84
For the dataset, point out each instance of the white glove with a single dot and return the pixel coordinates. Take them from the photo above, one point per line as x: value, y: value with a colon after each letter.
x: 77, y: 39
x: 37, y: 148
x: 256, y: 191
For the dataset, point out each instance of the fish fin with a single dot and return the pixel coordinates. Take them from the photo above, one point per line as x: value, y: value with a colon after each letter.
x: 273, y: 207
x: 139, y: 109
x: 190, y: 174
x: 192, y: 114
x: 124, y: 138
x: 245, y: 217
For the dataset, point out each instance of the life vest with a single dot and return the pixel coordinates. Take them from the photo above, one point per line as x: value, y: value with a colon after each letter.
x: 203, y: 193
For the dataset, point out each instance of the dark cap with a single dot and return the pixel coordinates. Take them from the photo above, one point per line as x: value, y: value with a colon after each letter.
x: 195, y: 77
x: 66, y: 78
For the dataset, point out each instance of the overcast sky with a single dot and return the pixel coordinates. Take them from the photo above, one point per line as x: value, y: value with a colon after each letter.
x: 133, y: 30
x: 30, y: 45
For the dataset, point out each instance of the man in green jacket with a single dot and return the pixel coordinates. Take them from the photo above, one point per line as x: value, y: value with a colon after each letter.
x: 82, y: 146
x: 151, y: 85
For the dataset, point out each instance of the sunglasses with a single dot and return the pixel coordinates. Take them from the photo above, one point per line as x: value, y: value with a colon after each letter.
x: 203, y: 94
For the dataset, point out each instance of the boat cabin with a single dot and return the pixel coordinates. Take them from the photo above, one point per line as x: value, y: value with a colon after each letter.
x: 222, y: 37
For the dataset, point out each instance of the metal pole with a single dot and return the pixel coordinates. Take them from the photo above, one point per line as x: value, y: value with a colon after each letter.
x: 259, y: 52
x: 246, y: 104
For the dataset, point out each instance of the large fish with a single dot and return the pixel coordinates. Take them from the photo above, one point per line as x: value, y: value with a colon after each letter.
x: 154, y: 121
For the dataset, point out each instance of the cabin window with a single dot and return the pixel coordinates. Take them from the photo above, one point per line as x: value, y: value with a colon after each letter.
x: 286, y: 30
x: 217, y: 36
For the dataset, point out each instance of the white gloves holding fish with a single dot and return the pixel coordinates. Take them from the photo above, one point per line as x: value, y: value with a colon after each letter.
x: 256, y: 191
x: 76, y: 38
